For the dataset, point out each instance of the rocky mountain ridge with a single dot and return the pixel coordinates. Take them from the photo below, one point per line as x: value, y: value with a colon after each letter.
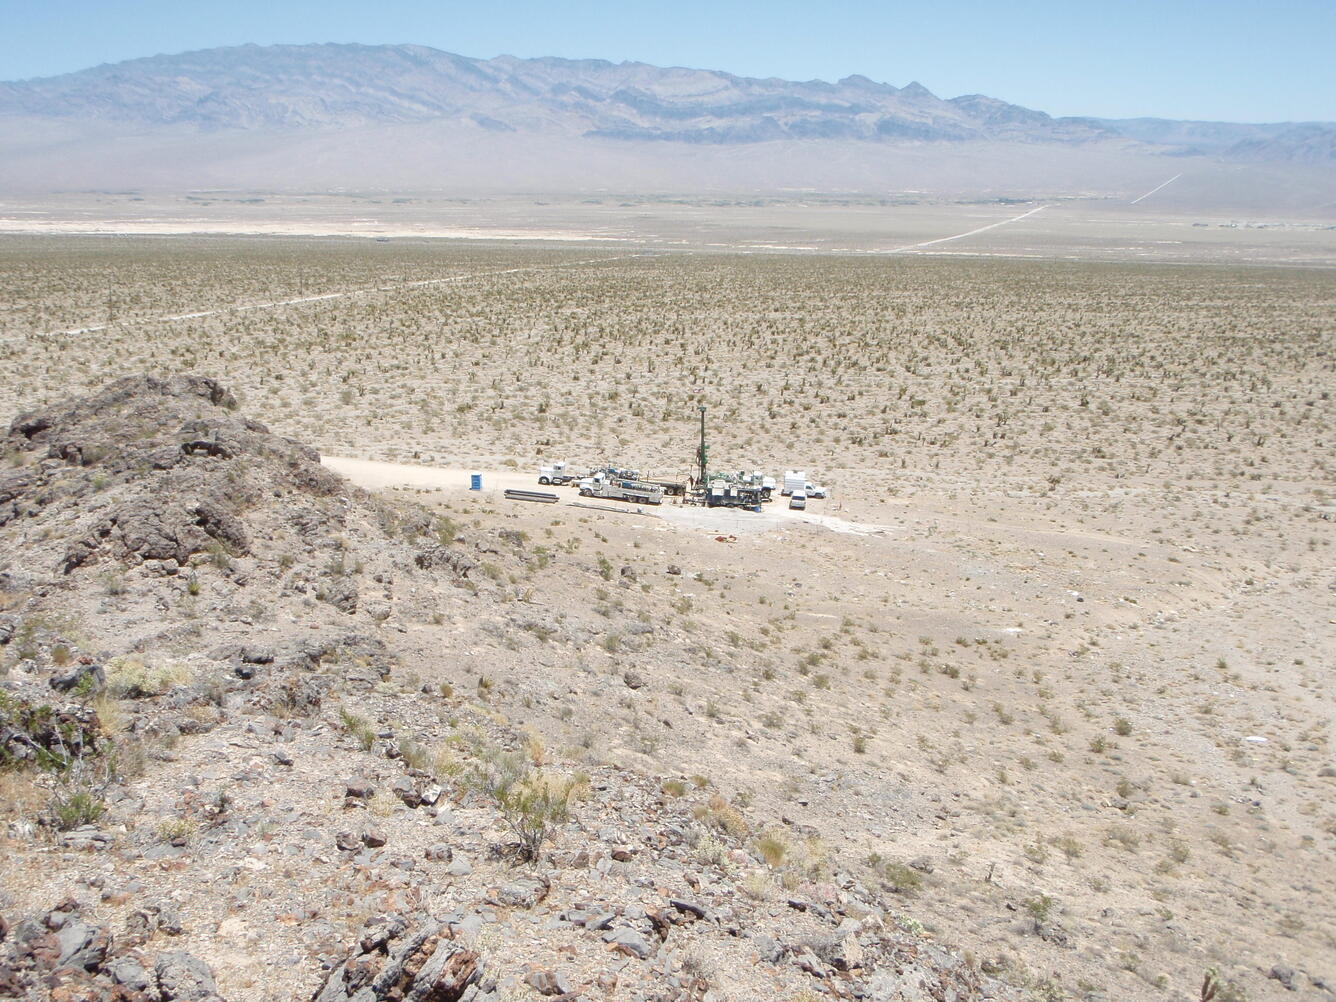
x: 297, y: 87
x: 289, y: 87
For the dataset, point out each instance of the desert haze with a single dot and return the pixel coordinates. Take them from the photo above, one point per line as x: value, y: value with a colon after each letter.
x: 411, y: 118
x: 1030, y: 699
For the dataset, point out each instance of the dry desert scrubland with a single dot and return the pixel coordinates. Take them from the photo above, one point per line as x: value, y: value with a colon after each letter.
x: 1053, y: 673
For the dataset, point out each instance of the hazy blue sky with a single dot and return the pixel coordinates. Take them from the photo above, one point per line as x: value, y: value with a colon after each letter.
x: 1237, y: 60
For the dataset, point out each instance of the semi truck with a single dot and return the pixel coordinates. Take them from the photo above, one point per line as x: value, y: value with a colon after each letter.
x: 557, y: 474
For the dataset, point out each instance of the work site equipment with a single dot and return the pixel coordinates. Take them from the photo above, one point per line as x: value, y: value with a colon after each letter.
x: 539, y: 496
x: 619, y: 489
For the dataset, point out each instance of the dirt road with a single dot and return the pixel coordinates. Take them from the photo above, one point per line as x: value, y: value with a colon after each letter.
x: 302, y: 300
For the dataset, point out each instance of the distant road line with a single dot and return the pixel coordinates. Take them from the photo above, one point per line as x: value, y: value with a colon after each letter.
x: 277, y: 304
x: 981, y: 229
x: 1156, y: 188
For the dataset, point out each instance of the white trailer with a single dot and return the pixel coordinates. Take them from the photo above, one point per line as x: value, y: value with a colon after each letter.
x: 794, y: 480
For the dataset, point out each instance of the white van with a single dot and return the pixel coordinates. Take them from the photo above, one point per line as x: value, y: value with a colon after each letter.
x: 798, y: 499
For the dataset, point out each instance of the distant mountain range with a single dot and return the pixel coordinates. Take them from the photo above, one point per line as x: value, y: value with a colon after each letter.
x: 293, y: 87
x: 407, y: 115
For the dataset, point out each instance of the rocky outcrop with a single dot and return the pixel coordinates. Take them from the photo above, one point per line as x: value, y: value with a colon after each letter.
x: 390, y: 962
x: 169, y: 467
x: 65, y: 956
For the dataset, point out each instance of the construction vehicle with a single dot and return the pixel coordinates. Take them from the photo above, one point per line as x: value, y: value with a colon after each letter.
x: 725, y: 494
x: 620, y: 489
x: 754, y: 479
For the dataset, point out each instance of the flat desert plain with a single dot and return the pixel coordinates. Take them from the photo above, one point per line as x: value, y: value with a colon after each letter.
x: 1054, y: 658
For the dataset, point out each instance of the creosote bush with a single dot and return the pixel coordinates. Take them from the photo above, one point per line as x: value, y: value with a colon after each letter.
x: 531, y: 801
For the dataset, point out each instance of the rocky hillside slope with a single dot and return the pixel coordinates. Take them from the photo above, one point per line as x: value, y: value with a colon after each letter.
x: 222, y: 773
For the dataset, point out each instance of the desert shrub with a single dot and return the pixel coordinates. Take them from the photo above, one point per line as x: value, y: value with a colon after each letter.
x: 171, y: 829
x: 77, y: 809
x: 414, y: 754
x: 757, y: 885
x: 531, y: 802
x: 772, y: 848
x: 1039, y: 908
x: 358, y: 727
x: 81, y: 785
x: 709, y: 851
x: 720, y: 814
x: 900, y: 878
x: 1217, y: 989
x: 129, y: 677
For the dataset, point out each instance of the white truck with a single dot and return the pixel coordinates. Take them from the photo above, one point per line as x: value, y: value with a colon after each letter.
x: 557, y: 474
x: 620, y: 489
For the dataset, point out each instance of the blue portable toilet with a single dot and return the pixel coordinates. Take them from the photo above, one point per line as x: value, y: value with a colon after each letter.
x: 475, y: 481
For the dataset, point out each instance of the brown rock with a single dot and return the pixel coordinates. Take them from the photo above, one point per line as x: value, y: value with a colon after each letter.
x: 547, y: 982
x: 359, y: 789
